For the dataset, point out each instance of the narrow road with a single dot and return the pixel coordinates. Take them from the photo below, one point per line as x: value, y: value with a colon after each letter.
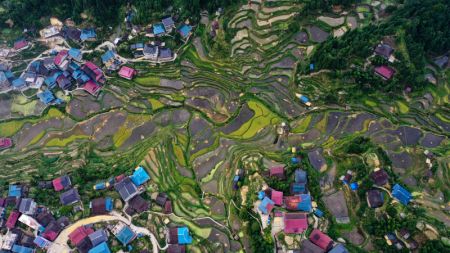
x: 60, y: 244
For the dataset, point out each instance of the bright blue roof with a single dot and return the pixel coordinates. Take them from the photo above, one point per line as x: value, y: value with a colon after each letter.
x: 88, y: 34
x: 75, y: 52
x: 21, y: 249
x: 339, y: 249
x: 3, y: 76
x: 294, y: 160
x: 108, y: 204
x: 300, y: 176
x: 236, y: 178
x: 183, y: 236
x: 18, y: 82
x: 304, y: 99
x: 101, y: 248
x: 354, y: 186
x: 318, y: 213
x: 14, y: 190
x: 185, y: 30
x: 107, y: 56
x: 139, y: 176
x: 9, y: 74
x: 158, y: 29
x: 261, y: 195
x: 311, y: 66
x: 125, y: 236
x: 401, y: 194
x: 264, y: 204
x: 305, y: 204
x: 46, y: 97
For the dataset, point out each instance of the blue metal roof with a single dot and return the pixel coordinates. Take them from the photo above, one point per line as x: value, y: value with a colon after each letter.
x: 107, y: 56
x: 354, y: 186
x: 304, y: 99
x: 264, y: 204
x: 305, y: 203
x: 158, y: 29
x: 19, y: 82
x: 298, y: 188
x: 75, y: 53
x: 46, y: 97
x: 21, y: 249
x: 101, y: 248
x: 401, y: 194
x: 41, y: 242
x: 185, y: 30
x: 126, y: 235
x: 108, y: 204
x: 318, y: 213
x: 15, y: 190
x: 140, y: 176
x: 183, y: 236
x: 88, y: 34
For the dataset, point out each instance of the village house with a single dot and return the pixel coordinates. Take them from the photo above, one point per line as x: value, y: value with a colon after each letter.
x: 137, y: 205
x: 301, y: 202
x: 374, y: 198
x: 88, y: 35
x: 27, y: 206
x: 320, y: 239
x: 92, y: 87
x: 295, y: 223
x: 46, y: 97
x: 277, y: 172
x: 151, y: 52
x: 385, y: 51
x: 300, y: 181
x: 176, y: 248
x: 339, y: 248
x: 72, y: 33
x: 61, y: 60
x: 179, y: 235
x: 123, y: 233
x: 266, y: 205
x: 94, y: 72
x: 100, y: 206
x: 401, y: 194
x: 127, y: 72
x: 61, y: 183
x: 163, y: 201
x: 80, y: 238
x: 126, y: 188
x: 21, y: 45
x: 110, y: 60
x: 168, y: 23
x: 165, y: 54
x: 308, y: 247
x: 185, y: 31
x: 379, y: 177
x: 98, y: 237
x: 158, y: 29
x: 75, y: 54
x: 19, y: 84
x: 69, y: 197
x: 384, y: 72
x: 101, y: 248
x: 49, y: 31
x: 41, y: 242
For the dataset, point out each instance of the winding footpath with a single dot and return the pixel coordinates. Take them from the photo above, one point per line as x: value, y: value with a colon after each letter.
x: 60, y: 244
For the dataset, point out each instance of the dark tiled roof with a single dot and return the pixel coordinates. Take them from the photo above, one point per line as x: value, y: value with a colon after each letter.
x: 69, y: 197
x: 98, y: 206
x: 139, y: 204
x: 126, y: 189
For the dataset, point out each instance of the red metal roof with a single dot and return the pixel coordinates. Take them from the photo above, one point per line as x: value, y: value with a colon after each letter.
x: 295, y: 223
x: 12, y: 219
x: 20, y: 44
x: 57, y: 184
x: 320, y: 239
x: 79, y: 234
x: 91, y: 87
x: 385, y: 71
x: 60, y: 57
x: 127, y: 72
x: 50, y: 235
x: 291, y: 202
x: 277, y: 197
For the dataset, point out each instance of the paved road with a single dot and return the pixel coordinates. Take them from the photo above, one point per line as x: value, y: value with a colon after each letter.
x: 60, y: 244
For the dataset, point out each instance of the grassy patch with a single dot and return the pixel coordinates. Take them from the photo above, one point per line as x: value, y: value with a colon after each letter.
x: 126, y: 129
x: 263, y: 117
x: 403, y: 108
x: 58, y: 142
x: 370, y: 103
x: 37, y: 138
x: 156, y: 104
x: 148, y: 80
x: 9, y: 128
x: 302, y: 125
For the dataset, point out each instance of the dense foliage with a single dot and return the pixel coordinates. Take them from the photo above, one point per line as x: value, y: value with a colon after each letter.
x: 103, y: 12
x: 419, y: 27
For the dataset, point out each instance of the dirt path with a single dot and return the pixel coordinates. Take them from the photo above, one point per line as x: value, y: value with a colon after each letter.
x: 60, y: 244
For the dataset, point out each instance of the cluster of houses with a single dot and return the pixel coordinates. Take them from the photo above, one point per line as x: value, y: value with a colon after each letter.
x: 156, y: 51
x: 43, y: 228
x: 298, y: 205
x: 57, y: 30
x: 19, y: 208
x: 385, y: 49
x: 376, y: 198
